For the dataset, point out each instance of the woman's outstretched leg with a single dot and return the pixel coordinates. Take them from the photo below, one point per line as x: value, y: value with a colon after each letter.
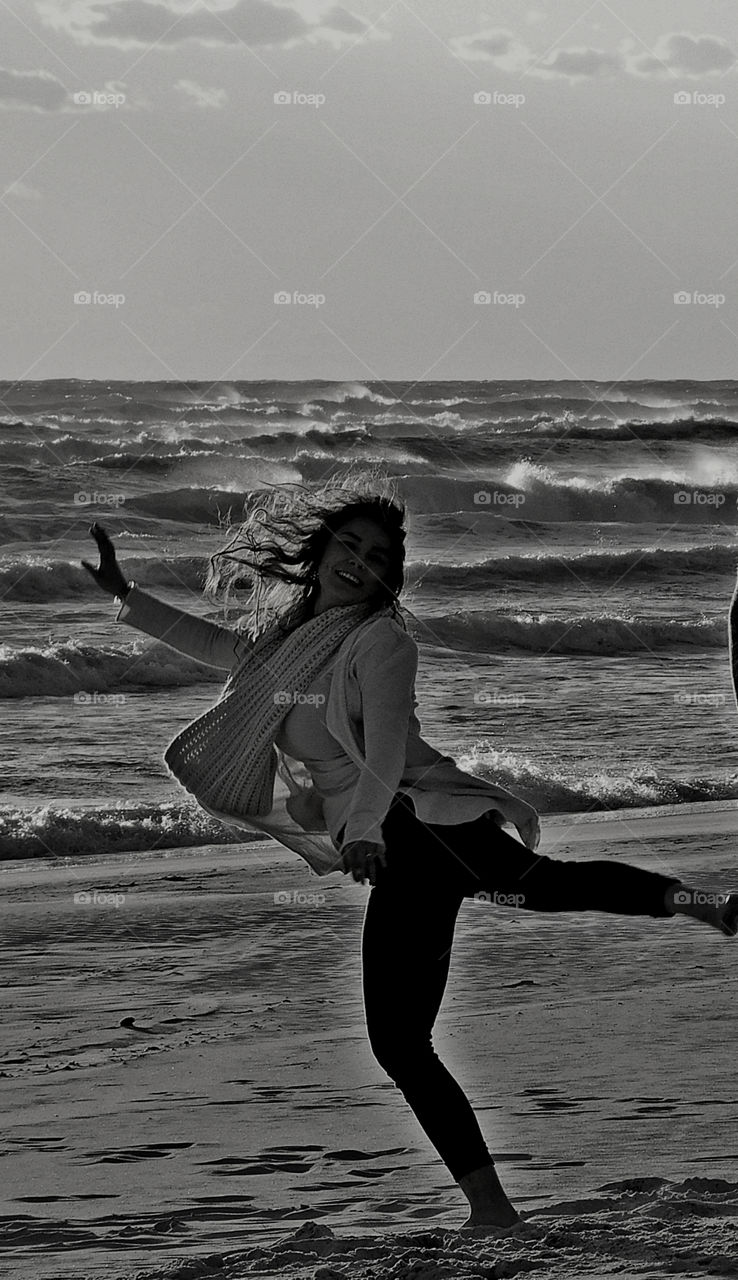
x: 518, y: 877
x: 481, y: 858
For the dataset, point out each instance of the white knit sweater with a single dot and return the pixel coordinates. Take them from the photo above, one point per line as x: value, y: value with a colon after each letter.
x: 370, y: 712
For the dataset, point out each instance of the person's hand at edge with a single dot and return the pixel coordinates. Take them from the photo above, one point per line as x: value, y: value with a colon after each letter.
x: 526, y: 822
x: 360, y: 858
x: 108, y: 575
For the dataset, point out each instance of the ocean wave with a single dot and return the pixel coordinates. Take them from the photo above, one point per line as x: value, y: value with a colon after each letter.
x: 63, y: 670
x: 171, y: 446
x: 202, y: 469
x: 517, y: 425
x: 34, y: 579
x: 341, y: 392
x: 151, y: 462
x: 667, y: 430
x: 63, y: 449
x: 30, y: 528
x: 535, y: 492
x: 71, y: 832
x: 548, y: 567
x: 489, y: 632
x: 191, y: 505
x: 284, y: 437
x: 577, y: 791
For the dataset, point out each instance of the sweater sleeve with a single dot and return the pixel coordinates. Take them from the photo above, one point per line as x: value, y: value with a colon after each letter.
x: 386, y: 673
x: 208, y: 642
x: 733, y: 641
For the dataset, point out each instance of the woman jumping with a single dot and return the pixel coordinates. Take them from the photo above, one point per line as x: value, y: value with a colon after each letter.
x: 315, y: 740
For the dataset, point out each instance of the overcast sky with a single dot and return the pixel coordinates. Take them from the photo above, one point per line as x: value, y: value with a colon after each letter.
x: 529, y: 154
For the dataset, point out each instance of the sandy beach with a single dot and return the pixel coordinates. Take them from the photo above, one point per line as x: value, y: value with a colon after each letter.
x: 189, y: 1090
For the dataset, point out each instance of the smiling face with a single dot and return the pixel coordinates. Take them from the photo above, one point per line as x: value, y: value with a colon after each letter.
x: 354, y: 565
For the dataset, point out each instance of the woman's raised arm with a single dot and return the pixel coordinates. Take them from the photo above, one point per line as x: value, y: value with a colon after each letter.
x: 205, y: 641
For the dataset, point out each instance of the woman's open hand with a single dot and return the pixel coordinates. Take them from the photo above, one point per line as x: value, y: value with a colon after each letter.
x: 108, y: 575
x: 360, y: 858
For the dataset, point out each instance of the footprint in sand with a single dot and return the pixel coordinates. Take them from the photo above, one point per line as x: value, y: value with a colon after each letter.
x: 265, y: 1163
x: 131, y: 1155
x: 153, y: 1020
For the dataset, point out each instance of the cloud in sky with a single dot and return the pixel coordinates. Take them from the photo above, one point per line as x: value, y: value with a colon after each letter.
x: 202, y: 97
x: 41, y: 91
x: 687, y: 55
x: 581, y: 64
x: 32, y: 90
x: 129, y: 23
x: 678, y: 53
x: 493, y: 45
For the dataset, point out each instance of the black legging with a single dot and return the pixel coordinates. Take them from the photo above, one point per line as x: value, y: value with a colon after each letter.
x: 408, y: 933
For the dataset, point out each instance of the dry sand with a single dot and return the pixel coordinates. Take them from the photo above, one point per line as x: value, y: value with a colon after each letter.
x: 188, y: 1088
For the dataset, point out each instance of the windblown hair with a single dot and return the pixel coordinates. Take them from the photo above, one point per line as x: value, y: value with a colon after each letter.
x: 276, y: 549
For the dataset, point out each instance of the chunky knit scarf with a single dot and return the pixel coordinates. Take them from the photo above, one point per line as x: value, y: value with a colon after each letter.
x: 227, y: 758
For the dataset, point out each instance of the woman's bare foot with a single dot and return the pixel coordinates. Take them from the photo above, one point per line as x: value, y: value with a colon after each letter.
x: 720, y: 910
x: 490, y: 1206
x: 728, y: 914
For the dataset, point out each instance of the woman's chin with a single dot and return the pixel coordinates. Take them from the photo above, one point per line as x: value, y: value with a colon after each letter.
x: 343, y: 598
